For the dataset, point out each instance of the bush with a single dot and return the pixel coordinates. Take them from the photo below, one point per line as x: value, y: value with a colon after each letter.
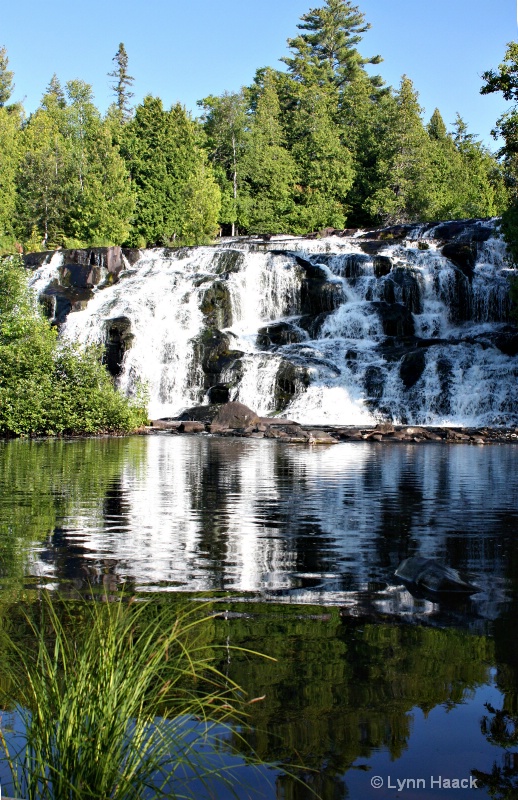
x: 48, y: 386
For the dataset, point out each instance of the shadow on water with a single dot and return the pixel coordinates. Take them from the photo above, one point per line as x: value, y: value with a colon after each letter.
x: 296, y: 549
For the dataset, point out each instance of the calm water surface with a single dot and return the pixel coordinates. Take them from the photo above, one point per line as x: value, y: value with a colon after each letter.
x: 298, y: 546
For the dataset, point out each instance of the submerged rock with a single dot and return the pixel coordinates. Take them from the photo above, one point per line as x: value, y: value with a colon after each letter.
x: 430, y: 576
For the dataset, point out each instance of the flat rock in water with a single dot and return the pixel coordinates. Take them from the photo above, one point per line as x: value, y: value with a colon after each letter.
x: 431, y: 576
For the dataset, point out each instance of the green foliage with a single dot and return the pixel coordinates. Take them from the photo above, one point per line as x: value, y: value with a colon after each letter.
x: 73, y: 183
x: 10, y: 134
x: 269, y: 170
x: 122, y: 82
x: 107, y: 693
x: 48, y: 386
x: 171, y: 176
x: 225, y: 121
x: 329, y: 41
x: 6, y: 78
x: 506, y: 82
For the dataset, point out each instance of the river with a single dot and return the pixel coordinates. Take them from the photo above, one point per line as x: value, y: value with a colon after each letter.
x: 296, y: 548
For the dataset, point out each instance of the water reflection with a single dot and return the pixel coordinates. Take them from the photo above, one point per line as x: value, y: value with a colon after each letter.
x: 356, y: 691
x: 309, y: 525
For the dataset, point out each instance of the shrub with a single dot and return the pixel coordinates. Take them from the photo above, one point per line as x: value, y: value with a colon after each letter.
x: 107, y: 712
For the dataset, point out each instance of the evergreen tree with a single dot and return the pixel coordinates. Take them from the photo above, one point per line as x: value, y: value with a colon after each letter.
x: 505, y: 81
x: 404, y: 164
x: 44, y: 178
x: 122, y: 82
x: 269, y: 171
x: 10, y: 134
x: 169, y: 171
x: 73, y: 186
x: 6, y: 78
x: 329, y: 39
x: 225, y: 122
x: 54, y: 94
x: 324, y: 165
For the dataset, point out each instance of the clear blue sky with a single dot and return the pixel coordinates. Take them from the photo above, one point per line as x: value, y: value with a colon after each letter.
x: 183, y: 51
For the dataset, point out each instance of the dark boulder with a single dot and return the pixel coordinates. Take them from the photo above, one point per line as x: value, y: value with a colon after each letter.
x: 216, y: 305
x: 118, y: 339
x: 278, y: 334
x: 412, y: 367
x: 317, y: 293
x: 430, y: 576
x: 404, y: 285
x: 213, y: 351
x: 463, y: 230
x: 463, y: 255
x: 203, y: 414
x: 374, y: 383
x: 382, y: 265
x: 227, y: 261
x: 220, y: 393
x: 235, y: 415
x: 397, y: 319
x: 507, y: 342
x: 291, y: 380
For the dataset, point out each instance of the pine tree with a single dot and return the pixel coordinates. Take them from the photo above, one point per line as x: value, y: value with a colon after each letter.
x: 6, y: 78
x: 330, y: 36
x: 269, y: 171
x: 122, y: 82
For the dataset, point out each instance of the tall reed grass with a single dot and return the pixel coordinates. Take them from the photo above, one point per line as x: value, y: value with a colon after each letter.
x: 107, y: 693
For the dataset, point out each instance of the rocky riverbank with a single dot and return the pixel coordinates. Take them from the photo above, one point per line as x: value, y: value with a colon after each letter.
x: 235, y: 419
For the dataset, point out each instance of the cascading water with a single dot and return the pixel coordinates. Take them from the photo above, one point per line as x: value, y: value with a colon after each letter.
x: 334, y: 330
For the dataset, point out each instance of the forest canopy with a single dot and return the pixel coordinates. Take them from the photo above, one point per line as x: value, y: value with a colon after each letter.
x: 319, y: 142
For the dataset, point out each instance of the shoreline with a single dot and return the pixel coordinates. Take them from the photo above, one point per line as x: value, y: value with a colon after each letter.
x: 295, y: 433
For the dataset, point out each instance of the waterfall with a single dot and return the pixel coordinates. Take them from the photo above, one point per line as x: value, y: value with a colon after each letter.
x: 412, y: 328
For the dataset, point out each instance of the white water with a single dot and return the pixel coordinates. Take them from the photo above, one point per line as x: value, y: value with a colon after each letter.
x: 462, y: 383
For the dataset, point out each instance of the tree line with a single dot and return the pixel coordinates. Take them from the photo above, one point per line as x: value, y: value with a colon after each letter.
x: 320, y: 143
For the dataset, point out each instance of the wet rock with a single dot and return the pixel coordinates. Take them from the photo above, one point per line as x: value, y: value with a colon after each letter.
x: 507, y: 342
x: 218, y: 394
x: 118, y: 340
x: 463, y: 255
x: 278, y: 334
x: 214, y: 352
x: 385, y: 427
x: 464, y: 230
x: 317, y: 293
x: 203, y: 414
x: 313, y: 323
x: 190, y: 426
x: 374, y: 382
x: 382, y: 265
x: 412, y: 367
x: 404, y: 285
x: 396, y: 319
x: 216, y: 305
x: 229, y: 261
x: 458, y: 297
x: 235, y: 415
x: 352, y: 265
x: 291, y: 380
x: 166, y: 424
